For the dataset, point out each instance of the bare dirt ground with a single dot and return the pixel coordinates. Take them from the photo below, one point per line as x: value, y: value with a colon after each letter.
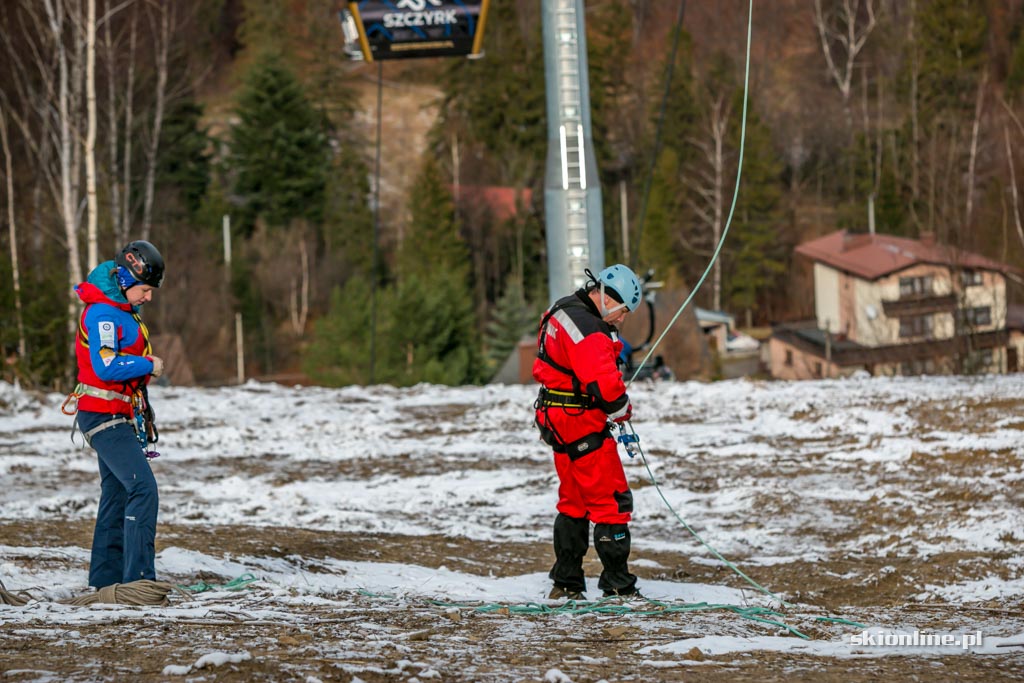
x: 377, y: 638
x: 849, y: 519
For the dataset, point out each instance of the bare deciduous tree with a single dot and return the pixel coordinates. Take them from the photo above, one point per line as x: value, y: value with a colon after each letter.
x: 973, y: 161
x: 842, y: 31
x: 90, y: 135
x: 15, y: 274
x: 161, y: 32
x: 47, y: 82
x: 709, y: 185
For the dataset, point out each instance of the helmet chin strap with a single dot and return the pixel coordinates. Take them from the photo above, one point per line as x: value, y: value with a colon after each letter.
x: 605, y: 311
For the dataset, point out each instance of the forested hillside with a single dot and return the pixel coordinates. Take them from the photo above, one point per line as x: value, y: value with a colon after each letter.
x: 249, y: 108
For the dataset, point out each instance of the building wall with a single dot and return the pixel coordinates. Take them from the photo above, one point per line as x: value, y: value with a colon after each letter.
x: 789, y: 362
x: 1017, y: 342
x: 827, y: 298
x: 870, y: 326
x: 990, y: 293
x: 848, y: 305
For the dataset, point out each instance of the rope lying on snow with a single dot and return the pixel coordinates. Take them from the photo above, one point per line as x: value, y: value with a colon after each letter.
x: 140, y: 593
x: 643, y: 607
x: 143, y: 592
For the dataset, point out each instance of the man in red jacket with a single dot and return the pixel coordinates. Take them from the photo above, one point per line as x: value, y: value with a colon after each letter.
x: 577, y: 350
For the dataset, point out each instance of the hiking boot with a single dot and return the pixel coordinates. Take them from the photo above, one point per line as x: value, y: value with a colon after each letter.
x: 560, y: 593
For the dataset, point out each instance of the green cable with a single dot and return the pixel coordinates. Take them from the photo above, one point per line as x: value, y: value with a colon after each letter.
x: 714, y: 257
x: 609, y: 606
x: 732, y: 209
x: 236, y: 584
x: 840, y: 620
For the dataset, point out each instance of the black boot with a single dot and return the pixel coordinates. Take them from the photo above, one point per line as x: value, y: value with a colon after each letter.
x: 571, y: 543
x: 612, y: 544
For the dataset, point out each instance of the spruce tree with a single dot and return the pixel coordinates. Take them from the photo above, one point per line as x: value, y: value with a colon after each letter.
x: 433, y: 244
x: 498, y: 102
x: 348, y: 216
x: 340, y: 351
x: 279, y: 153
x: 512, y: 317
x: 758, y: 249
x: 662, y: 216
x: 184, y: 160
x: 430, y: 329
x: 429, y: 333
x: 951, y: 47
x: 658, y: 246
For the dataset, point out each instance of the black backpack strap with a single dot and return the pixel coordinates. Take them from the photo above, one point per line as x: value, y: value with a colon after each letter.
x: 542, y: 351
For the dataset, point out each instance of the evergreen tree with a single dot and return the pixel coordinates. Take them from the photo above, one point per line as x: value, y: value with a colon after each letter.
x: 658, y: 246
x: 279, y: 152
x: 433, y: 244
x: 951, y: 54
x: 340, y: 351
x: 348, y: 216
x: 184, y: 159
x: 759, y: 251
x: 664, y: 216
x: 1015, y: 77
x: 430, y: 331
x: 498, y: 102
x: 512, y: 317
x: 609, y: 34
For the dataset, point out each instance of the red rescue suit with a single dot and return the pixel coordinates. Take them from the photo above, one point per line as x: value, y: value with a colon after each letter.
x: 583, y: 389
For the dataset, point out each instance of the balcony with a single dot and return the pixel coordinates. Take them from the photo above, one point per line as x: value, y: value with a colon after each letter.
x: 920, y: 305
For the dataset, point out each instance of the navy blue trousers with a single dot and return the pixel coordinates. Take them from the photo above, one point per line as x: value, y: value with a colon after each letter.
x: 123, y: 541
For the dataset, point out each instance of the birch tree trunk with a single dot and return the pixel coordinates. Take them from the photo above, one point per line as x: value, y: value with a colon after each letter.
x: 915, y: 133
x: 113, y: 134
x: 972, y: 163
x: 15, y: 275
x: 1013, y: 186
x: 90, y: 135
x: 839, y: 32
x: 300, y: 292
x: 124, y: 224
x: 709, y: 187
x: 162, y: 47
x: 67, y: 157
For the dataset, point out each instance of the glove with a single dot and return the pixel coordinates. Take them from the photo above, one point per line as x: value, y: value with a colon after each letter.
x: 626, y: 416
x: 158, y: 366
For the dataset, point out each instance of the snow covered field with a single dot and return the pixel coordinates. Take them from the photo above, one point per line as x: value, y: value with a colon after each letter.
x: 404, y: 535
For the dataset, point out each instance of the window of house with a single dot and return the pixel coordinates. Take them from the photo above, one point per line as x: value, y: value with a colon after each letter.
x: 970, y: 278
x: 916, y: 326
x: 817, y: 370
x: 916, y: 286
x: 979, y: 361
x: 977, y: 316
x: 789, y: 357
x: 916, y: 367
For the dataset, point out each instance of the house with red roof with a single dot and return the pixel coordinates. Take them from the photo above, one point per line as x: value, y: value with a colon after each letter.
x: 897, y: 306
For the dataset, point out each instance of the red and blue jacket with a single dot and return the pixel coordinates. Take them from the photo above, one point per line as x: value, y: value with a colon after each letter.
x: 112, y: 345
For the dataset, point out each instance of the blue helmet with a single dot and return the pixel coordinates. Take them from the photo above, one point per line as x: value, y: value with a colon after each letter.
x: 622, y: 284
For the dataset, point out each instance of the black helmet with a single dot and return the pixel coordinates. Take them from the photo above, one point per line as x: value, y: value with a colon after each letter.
x: 143, y: 261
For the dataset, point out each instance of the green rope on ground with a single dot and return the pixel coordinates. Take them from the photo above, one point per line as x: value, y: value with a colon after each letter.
x: 614, y: 606
x: 238, y: 583
x: 840, y: 620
